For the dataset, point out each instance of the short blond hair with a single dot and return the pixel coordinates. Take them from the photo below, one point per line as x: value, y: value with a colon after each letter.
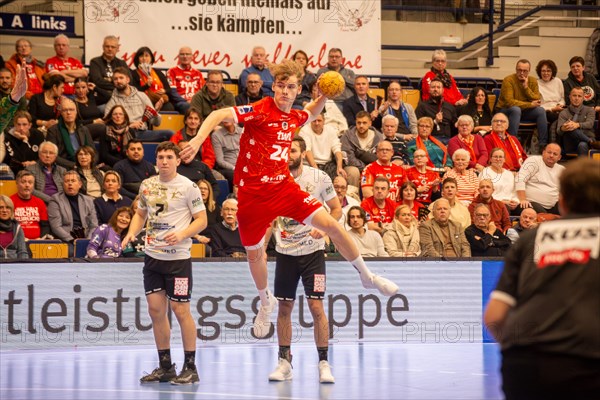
x: 285, y: 69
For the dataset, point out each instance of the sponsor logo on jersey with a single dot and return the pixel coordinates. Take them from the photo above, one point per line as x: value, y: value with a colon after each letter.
x: 567, y: 241
x: 197, y: 202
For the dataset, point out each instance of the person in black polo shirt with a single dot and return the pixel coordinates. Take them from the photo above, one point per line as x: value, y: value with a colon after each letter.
x: 545, y: 309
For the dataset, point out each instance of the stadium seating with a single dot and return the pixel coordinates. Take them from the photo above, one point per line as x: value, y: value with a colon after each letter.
x: 232, y: 88
x: 170, y: 121
x: 8, y: 187
x: 48, y: 249
x: 411, y: 96
x: 81, y: 247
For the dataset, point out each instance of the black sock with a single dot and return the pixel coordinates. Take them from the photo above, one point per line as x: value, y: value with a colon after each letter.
x: 190, y: 359
x: 164, y: 358
x: 285, y: 353
x: 323, y: 353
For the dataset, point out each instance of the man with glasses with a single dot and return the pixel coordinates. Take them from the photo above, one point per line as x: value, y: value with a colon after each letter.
x: 253, y: 92
x: 34, y: 72
x: 500, y: 138
x: 498, y: 211
x: 520, y: 100
x: 335, y: 62
x: 484, y: 237
x: 340, y: 185
x: 258, y: 65
x: 183, y: 77
x: 267, y: 190
x: 212, y: 96
x: 224, y: 236
x: 68, y: 135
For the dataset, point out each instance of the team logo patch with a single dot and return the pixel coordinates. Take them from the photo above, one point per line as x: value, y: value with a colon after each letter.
x: 284, y: 125
x: 319, y: 283
x: 244, y: 109
x: 181, y: 287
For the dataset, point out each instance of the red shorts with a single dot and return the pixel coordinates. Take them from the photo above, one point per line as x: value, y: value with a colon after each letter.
x: 258, y: 206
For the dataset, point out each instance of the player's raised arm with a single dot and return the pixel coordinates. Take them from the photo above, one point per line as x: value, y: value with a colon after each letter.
x: 210, y: 123
x: 315, y: 107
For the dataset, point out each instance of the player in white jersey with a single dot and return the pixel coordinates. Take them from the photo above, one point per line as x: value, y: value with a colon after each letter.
x: 169, y: 202
x: 300, y: 254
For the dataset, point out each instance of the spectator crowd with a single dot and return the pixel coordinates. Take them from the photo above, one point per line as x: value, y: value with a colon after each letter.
x: 448, y: 178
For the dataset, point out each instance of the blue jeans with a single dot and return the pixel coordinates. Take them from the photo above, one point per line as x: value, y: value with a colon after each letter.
x: 537, y: 114
x: 576, y: 141
x: 159, y: 135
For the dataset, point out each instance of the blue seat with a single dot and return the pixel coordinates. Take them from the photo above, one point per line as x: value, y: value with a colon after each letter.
x: 150, y: 151
x: 223, y: 191
x: 81, y: 247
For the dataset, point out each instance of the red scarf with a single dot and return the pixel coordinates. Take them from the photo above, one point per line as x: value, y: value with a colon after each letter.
x: 421, y: 146
x: 469, y: 143
x: 156, y: 83
x: 498, y: 142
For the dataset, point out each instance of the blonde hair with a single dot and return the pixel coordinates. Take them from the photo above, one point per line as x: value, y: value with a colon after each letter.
x: 210, y: 204
x: 286, y: 69
x: 6, y: 200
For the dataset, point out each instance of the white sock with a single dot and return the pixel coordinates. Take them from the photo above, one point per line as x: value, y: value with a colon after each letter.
x: 363, y: 270
x: 264, y: 296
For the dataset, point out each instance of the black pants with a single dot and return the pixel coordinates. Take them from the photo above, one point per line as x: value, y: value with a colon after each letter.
x: 532, y: 375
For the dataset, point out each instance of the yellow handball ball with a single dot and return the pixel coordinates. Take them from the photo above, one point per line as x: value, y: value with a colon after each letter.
x: 331, y: 84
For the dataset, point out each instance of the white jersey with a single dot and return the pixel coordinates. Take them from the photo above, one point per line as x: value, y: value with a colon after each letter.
x: 293, y: 238
x: 170, y: 207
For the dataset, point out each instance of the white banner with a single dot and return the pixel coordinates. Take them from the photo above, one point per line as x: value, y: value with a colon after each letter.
x: 88, y: 304
x: 222, y: 33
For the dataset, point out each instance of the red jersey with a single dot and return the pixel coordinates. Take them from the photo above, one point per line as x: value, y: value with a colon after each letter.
x: 266, y: 142
x: 30, y: 213
x: 207, y: 151
x: 421, y: 179
x: 415, y: 209
x: 58, y: 64
x: 393, y: 172
x: 187, y: 81
x: 376, y: 214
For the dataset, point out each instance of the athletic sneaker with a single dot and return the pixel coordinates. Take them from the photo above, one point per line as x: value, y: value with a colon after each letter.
x: 262, y: 322
x: 283, y: 372
x: 186, y: 377
x: 325, y: 375
x: 384, y: 285
x: 159, y: 375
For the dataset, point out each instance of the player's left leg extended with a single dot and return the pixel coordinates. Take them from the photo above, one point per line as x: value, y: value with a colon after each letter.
x: 347, y: 248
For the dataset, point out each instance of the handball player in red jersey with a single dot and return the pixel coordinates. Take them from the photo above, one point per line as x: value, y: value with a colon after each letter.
x: 267, y: 190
